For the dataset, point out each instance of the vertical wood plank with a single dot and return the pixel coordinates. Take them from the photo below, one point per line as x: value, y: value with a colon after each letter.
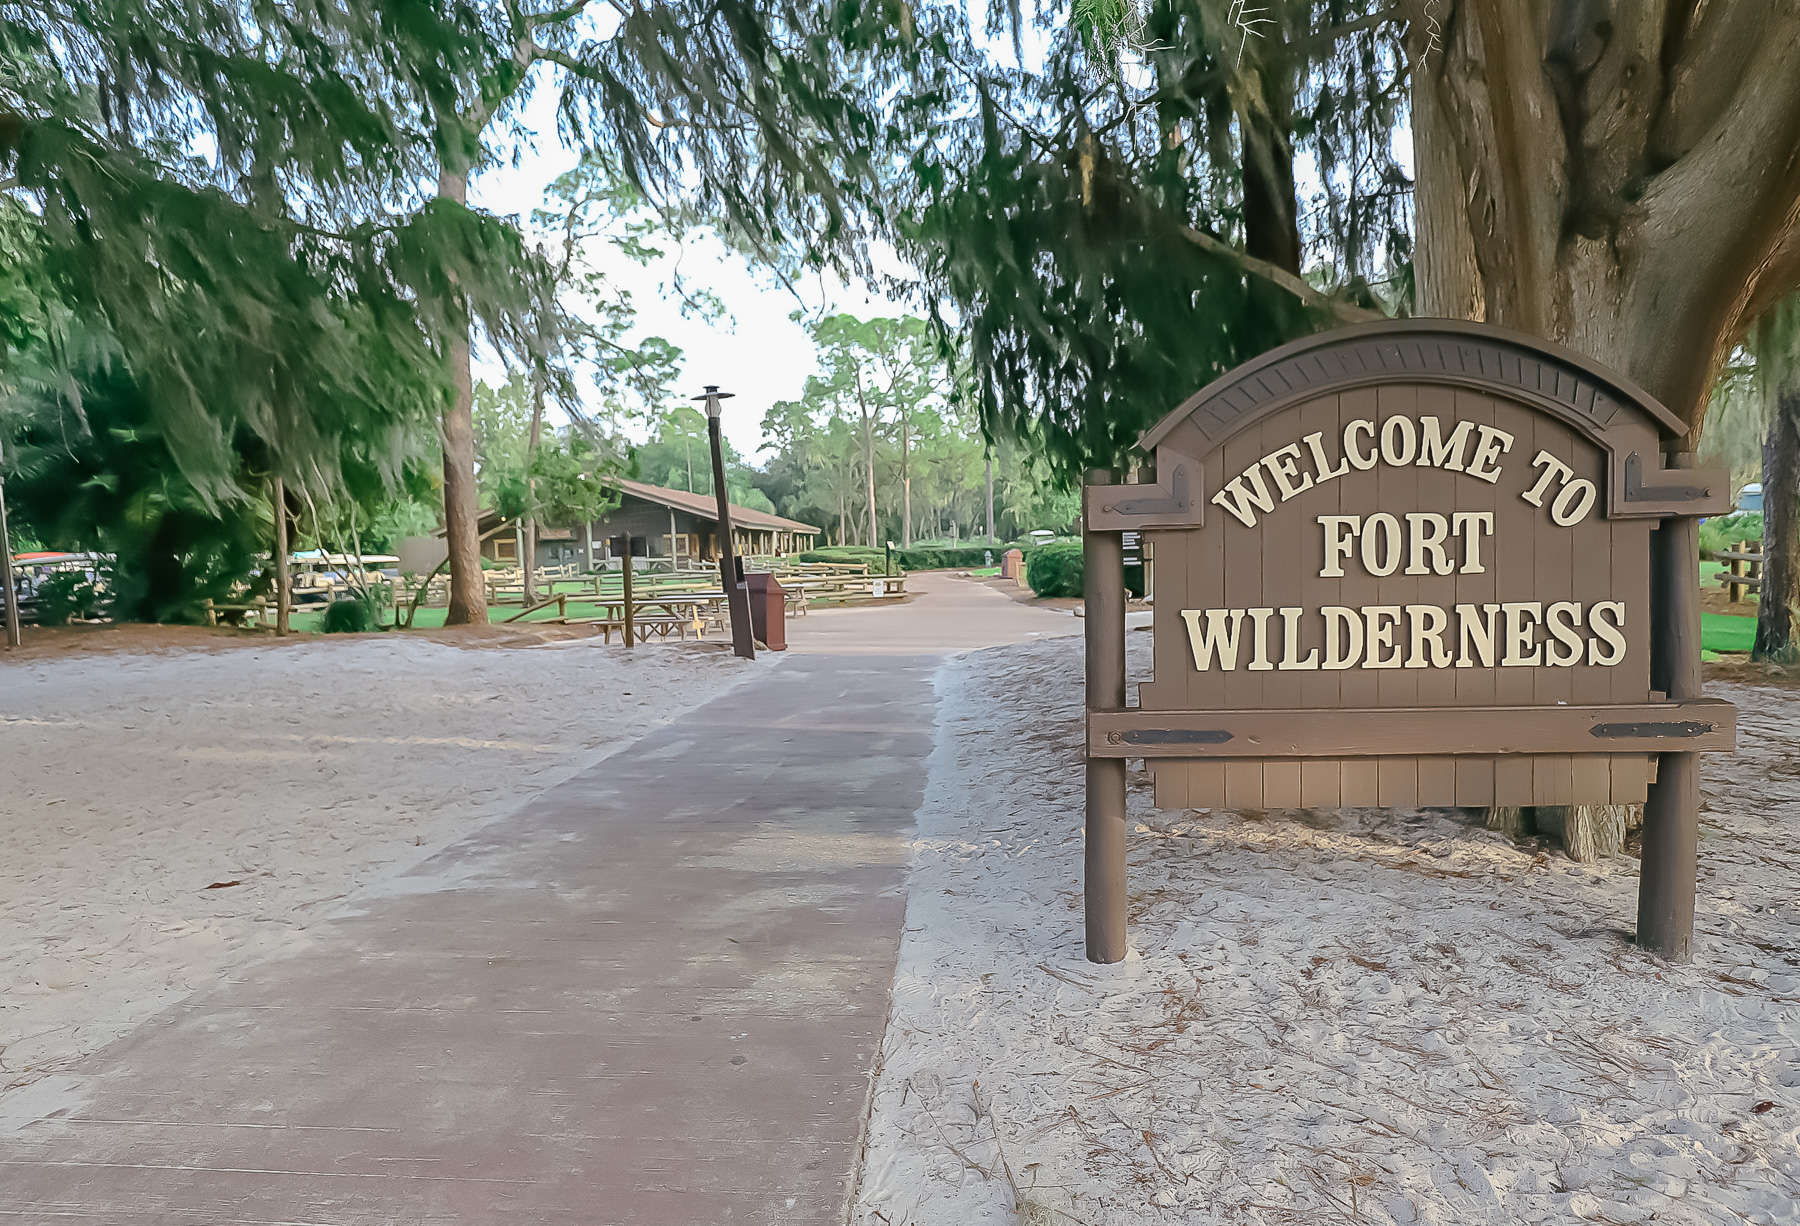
x: 1206, y: 785
x: 1242, y: 583
x: 1319, y: 787
x: 1440, y: 490
x: 1476, y: 686
x: 1513, y: 779
x: 1281, y: 784
x: 1518, y: 570
x: 1359, y: 495
x: 1590, y: 779
x: 1475, y: 782
x: 1437, y: 782
x: 1358, y: 785
x: 1319, y: 688
x: 1244, y: 784
x: 1169, y: 782
x: 1397, y: 782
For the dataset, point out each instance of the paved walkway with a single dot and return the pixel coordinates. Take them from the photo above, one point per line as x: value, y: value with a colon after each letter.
x: 653, y: 996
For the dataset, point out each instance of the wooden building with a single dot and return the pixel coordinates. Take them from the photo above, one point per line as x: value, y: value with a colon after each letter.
x: 662, y: 523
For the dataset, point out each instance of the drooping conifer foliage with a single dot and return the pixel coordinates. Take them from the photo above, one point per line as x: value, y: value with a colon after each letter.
x: 230, y: 189
x: 1119, y: 222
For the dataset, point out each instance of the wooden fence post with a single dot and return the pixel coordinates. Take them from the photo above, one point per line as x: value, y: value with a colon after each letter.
x: 1672, y: 807
x: 1103, y: 587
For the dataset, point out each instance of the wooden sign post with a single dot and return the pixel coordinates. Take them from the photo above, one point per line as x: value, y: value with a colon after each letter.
x: 1416, y: 563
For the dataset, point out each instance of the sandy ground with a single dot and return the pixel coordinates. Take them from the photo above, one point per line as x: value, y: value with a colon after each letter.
x: 166, y: 815
x: 1357, y: 1017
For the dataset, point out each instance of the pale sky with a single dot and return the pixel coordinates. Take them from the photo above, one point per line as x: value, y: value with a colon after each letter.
x: 757, y: 351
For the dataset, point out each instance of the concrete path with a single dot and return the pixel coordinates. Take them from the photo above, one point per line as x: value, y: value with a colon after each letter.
x: 654, y: 995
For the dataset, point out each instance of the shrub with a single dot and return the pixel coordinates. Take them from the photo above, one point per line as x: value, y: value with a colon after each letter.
x: 351, y: 615
x: 946, y: 557
x: 1057, y: 570
x: 1721, y: 532
x: 874, y: 559
x: 64, y: 596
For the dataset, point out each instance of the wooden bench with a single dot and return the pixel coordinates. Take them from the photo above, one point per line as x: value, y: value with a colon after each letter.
x: 1743, y: 572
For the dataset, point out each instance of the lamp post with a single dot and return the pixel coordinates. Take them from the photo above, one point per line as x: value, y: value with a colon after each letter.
x: 737, y: 598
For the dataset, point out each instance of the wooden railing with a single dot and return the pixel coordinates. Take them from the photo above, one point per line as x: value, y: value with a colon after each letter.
x: 1743, y: 569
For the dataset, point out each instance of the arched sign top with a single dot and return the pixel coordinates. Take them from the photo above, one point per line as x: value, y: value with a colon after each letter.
x: 1630, y: 425
x: 1446, y: 351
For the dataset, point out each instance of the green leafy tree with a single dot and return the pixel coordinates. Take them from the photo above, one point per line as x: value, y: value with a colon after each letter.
x: 231, y: 196
x: 111, y: 486
x: 679, y: 455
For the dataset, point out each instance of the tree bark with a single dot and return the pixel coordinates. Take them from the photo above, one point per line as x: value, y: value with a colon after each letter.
x: 1780, y: 591
x: 462, y: 500
x: 9, y: 592
x: 528, y: 547
x: 1628, y: 186
x: 1628, y: 176
x: 284, y: 587
x: 1446, y: 281
x: 990, y: 497
x: 905, y: 480
x: 868, y: 425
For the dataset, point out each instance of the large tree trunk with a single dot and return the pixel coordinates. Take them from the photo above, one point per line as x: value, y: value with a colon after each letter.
x: 905, y: 481
x: 990, y: 497
x: 1627, y: 176
x: 528, y: 546
x: 869, y: 474
x: 1446, y: 281
x: 1780, y: 590
x: 1627, y: 173
x: 462, y: 501
x: 284, y: 585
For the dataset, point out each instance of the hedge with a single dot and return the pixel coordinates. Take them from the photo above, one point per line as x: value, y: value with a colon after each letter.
x: 1056, y: 570
x: 948, y: 557
x: 875, y: 559
x: 350, y: 615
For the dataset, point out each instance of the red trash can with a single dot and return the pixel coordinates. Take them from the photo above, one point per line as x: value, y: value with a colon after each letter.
x: 768, y: 610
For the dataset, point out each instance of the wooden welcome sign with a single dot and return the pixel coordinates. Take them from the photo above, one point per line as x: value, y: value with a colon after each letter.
x: 1415, y: 563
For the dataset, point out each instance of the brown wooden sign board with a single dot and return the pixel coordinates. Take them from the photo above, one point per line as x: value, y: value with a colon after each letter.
x: 1418, y: 563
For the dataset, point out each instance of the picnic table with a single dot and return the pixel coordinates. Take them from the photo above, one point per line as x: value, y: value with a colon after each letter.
x: 659, y: 614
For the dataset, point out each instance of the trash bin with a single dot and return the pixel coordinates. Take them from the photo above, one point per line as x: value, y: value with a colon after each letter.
x: 768, y: 610
x: 1012, y: 566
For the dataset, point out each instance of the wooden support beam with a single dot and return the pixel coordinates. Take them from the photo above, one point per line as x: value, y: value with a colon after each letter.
x: 1691, y: 726
x: 1104, y: 624
x: 1672, y: 810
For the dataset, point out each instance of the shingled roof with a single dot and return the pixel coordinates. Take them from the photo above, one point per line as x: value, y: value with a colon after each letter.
x: 705, y: 506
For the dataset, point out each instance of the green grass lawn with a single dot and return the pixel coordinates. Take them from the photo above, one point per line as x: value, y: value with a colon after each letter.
x: 1726, y: 632
x: 433, y: 619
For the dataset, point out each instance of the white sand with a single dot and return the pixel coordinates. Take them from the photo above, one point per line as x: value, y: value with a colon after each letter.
x: 131, y: 782
x: 1363, y: 1018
